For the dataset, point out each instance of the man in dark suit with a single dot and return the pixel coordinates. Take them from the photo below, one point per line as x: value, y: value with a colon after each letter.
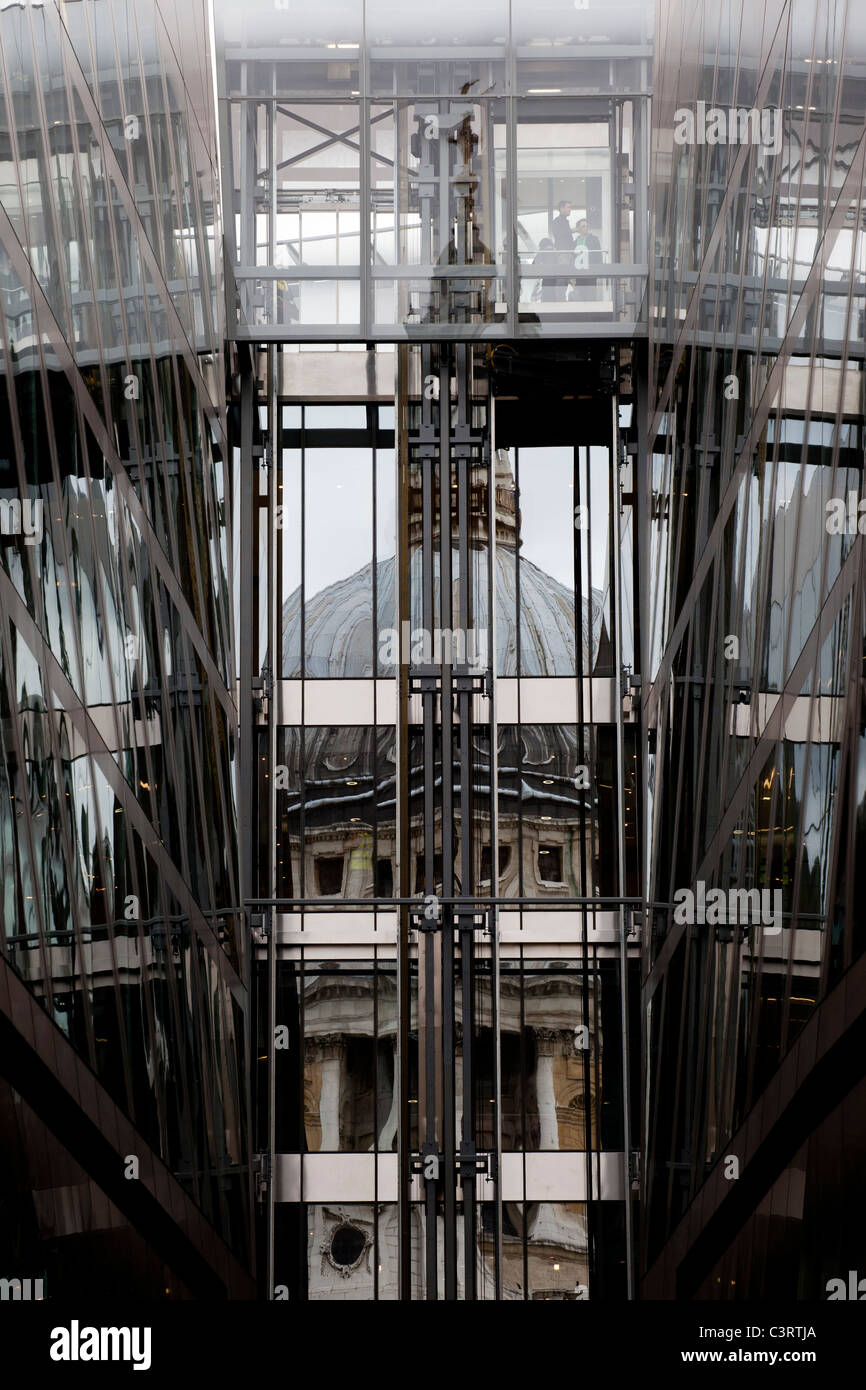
x: 563, y: 236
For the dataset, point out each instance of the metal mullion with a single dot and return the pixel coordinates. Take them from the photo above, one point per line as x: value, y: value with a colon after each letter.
x: 489, y: 185
x: 271, y: 128
x: 493, y: 792
x: 248, y: 152
x: 253, y: 1053
x: 524, y: 1091
x: 512, y: 283
x: 464, y: 414
x: 402, y: 826
x: 620, y: 758
x: 302, y: 857
x: 274, y: 610
x: 429, y: 734
x: 518, y: 656
x: 365, y: 192
x: 449, y: 1125
x: 303, y: 1268
x: 443, y: 202
x: 375, y: 1121
x: 372, y: 445
x: 246, y: 711
x: 595, y: 1074
x: 581, y: 728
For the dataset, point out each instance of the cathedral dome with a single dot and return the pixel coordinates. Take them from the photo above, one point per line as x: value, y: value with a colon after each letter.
x: 339, y: 639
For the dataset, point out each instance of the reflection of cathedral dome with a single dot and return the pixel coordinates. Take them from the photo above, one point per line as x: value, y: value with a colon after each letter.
x: 339, y: 620
x: 338, y: 631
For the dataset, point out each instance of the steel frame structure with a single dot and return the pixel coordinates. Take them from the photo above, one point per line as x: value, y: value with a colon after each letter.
x: 448, y: 928
x: 445, y: 439
x: 448, y: 178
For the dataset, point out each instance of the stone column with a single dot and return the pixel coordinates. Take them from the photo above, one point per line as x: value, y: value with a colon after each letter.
x: 327, y: 1051
x: 547, y: 1044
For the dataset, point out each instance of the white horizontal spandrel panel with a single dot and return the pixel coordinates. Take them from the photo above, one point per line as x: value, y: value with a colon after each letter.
x: 506, y: 700
x: 386, y: 702
x: 553, y: 700
x: 339, y: 1177
x: 289, y: 698
x: 531, y: 700
x: 340, y: 702
x: 335, y: 1178
x: 389, y: 1178
x: 549, y: 1177
x: 561, y: 1177
x: 287, y: 1177
x: 565, y: 926
x: 352, y: 927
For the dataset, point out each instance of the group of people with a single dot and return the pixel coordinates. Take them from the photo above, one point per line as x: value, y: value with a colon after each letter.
x: 558, y: 256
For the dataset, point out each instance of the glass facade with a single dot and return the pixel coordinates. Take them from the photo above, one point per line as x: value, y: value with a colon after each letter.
x: 120, y: 908
x: 445, y: 699
x: 390, y: 174
x: 754, y: 650
x: 432, y: 640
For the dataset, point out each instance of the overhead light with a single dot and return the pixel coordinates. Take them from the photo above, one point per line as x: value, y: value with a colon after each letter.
x: 545, y: 91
